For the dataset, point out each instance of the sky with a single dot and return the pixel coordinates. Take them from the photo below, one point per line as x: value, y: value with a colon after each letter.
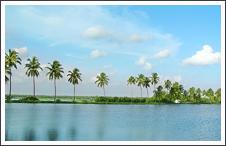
x: 180, y: 43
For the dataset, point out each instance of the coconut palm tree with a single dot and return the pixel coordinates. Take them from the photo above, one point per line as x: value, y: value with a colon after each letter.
x: 7, y: 72
x: 102, y: 81
x: 167, y: 84
x: 154, y: 79
x: 11, y: 61
x: 55, y: 72
x: 159, y: 93
x: 74, y: 78
x: 147, y: 84
x: 140, y: 82
x: 131, y: 81
x: 33, y: 67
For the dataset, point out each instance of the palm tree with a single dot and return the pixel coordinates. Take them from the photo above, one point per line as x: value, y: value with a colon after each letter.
x: 54, y: 73
x: 7, y: 72
x: 131, y: 81
x: 140, y: 82
x: 154, y: 79
x: 158, y: 93
x: 102, y: 80
x: 74, y: 78
x: 33, y: 67
x: 168, y: 84
x: 147, y: 84
x: 11, y: 60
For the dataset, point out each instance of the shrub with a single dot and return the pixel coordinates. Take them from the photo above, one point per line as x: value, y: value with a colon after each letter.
x: 29, y: 99
x: 58, y: 100
x: 8, y: 98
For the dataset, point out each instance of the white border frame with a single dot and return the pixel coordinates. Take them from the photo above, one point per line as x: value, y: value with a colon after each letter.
x: 220, y: 3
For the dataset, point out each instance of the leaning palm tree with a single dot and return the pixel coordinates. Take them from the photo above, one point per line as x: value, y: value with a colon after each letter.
x: 146, y: 84
x: 140, y: 82
x: 167, y: 84
x: 154, y: 79
x: 55, y: 72
x: 33, y: 67
x: 131, y: 81
x: 74, y: 78
x: 102, y: 81
x: 11, y: 61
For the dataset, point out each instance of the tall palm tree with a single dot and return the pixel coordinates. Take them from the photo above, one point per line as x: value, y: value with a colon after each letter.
x: 33, y: 66
x: 55, y: 72
x: 11, y: 61
x: 167, y: 84
x: 140, y: 82
x: 74, y: 78
x: 131, y: 81
x: 154, y: 79
x: 147, y: 84
x: 102, y: 81
x: 7, y: 72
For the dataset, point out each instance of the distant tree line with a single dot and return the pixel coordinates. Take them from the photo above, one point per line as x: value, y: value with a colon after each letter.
x: 168, y: 92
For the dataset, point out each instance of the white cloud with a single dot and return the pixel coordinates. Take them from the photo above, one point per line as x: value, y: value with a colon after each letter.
x: 21, y: 51
x: 43, y: 66
x: 138, y: 38
x: 142, y: 61
x: 147, y: 66
x: 162, y: 54
x: 97, y: 53
x: 95, y: 32
x: 205, y: 56
x: 174, y: 78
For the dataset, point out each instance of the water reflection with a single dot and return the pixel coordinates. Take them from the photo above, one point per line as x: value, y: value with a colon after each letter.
x: 52, y: 134
x: 29, y: 135
x: 111, y: 122
x: 72, y: 133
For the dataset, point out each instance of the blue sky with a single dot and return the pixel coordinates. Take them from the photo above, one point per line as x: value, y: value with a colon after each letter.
x: 180, y: 43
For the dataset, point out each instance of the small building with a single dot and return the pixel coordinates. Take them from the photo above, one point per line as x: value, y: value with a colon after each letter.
x: 177, y: 101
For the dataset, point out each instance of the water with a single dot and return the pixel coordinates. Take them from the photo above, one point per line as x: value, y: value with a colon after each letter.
x: 112, y: 122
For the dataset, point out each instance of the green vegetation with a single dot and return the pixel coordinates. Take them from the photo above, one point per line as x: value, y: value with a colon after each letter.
x: 11, y: 61
x: 102, y: 81
x: 33, y: 67
x: 169, y: 92
x: 54, y: 73
x: 74, y: 78
x: 161, y: 97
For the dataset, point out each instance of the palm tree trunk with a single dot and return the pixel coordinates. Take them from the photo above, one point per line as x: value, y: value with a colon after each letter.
x: 74, y: 94
x: 104, y: 91
x: 55, y: 89
x: 34, y: 86
x: 10, y: 76
x: 141, y: 91
x: 147, y: 92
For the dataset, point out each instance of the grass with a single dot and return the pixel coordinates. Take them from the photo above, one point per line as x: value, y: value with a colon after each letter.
x: 91, y: 100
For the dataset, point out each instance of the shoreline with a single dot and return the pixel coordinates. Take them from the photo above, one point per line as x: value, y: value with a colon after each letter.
x: 44, y: 99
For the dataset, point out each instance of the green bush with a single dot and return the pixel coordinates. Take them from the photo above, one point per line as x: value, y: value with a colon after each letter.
x: 29, y: 99
x: 8, y: 98
x: 58, y: 100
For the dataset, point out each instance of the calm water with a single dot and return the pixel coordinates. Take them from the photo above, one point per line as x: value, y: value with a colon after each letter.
x: 112, y: 122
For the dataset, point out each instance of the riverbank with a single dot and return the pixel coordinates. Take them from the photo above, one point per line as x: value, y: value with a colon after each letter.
x: 100, y: 100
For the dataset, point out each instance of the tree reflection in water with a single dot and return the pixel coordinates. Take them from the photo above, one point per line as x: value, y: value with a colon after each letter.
x: 29, y: 135
x: 52, y: 134
x: 72, y: 133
